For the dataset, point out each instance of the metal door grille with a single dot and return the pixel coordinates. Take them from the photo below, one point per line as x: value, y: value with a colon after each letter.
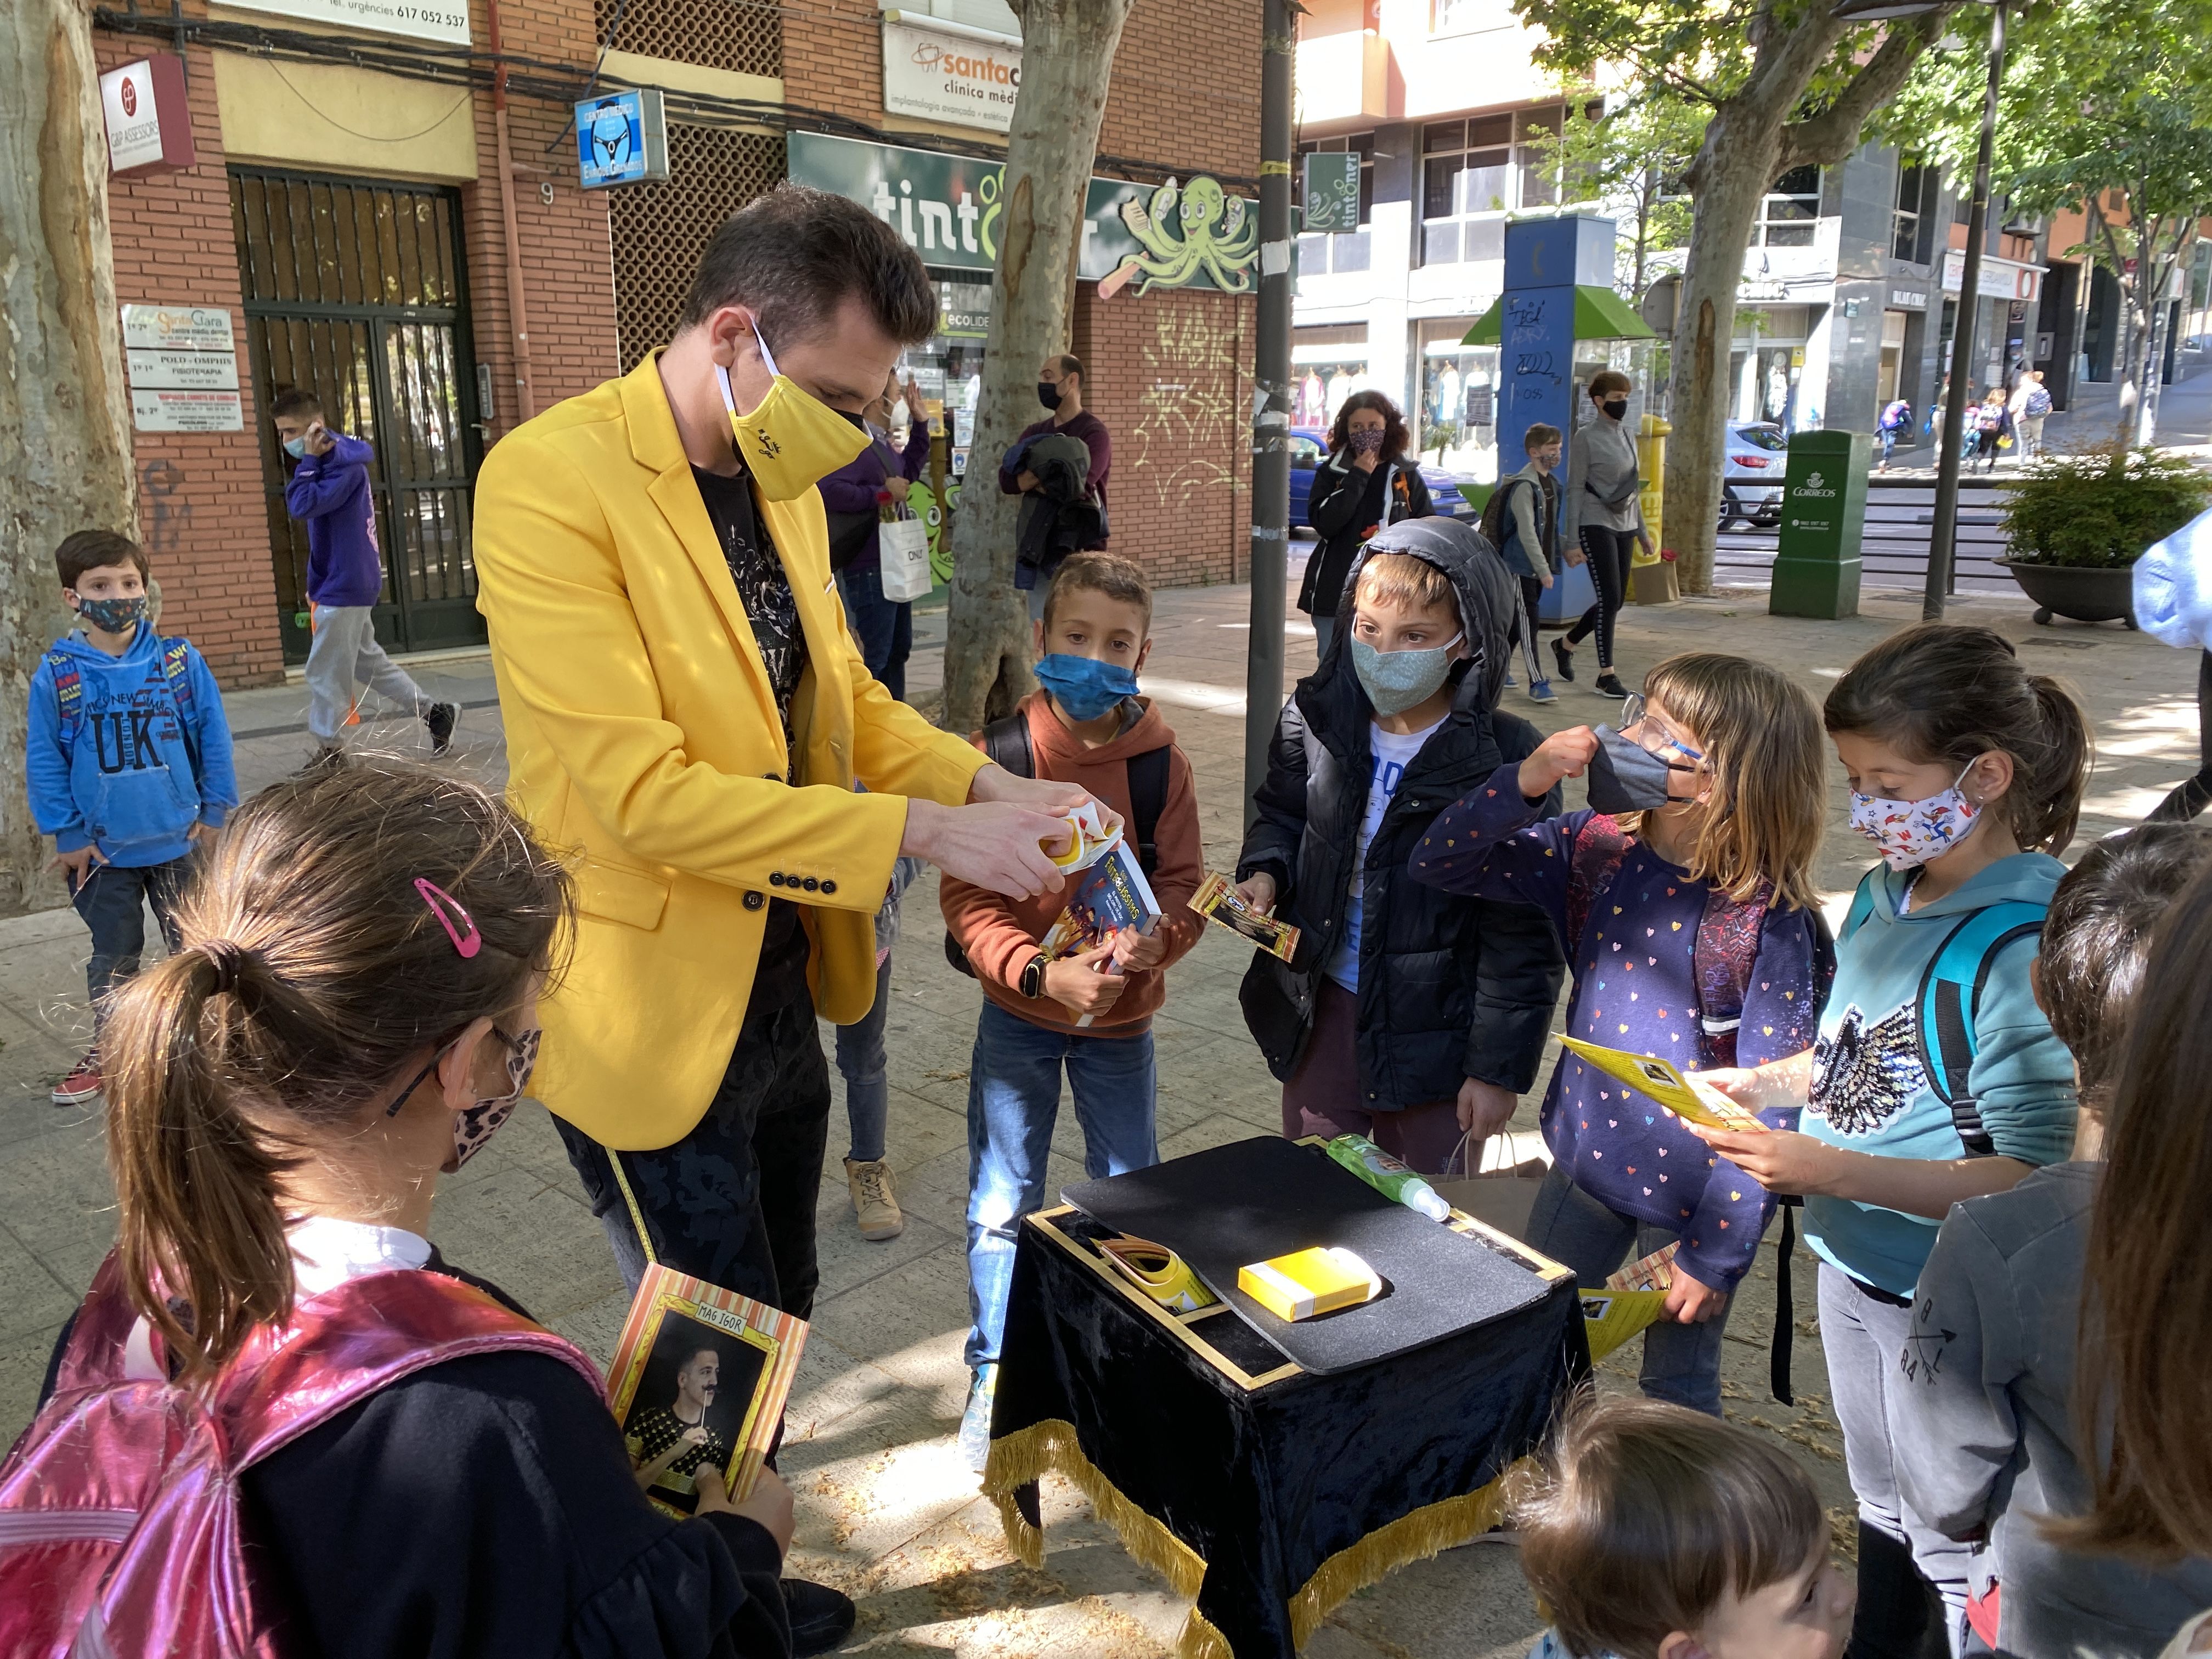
x: 658, y: 231
x: 743, y: 36
x: 355, y: 290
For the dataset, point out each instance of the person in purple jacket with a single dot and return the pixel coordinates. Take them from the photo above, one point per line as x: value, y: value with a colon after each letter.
x: 1684, y: 896
x: 854, y: 496
x: 329, y: 493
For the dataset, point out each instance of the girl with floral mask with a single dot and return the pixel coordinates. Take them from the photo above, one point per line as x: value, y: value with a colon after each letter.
x: 1935, y: 1076
x: 1684, y: 896
x: 350, y: 1014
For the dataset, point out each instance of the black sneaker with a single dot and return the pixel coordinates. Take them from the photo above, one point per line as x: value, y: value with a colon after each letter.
x: 1565, y: 657
x: 1609, y: 685
x: 820, y: 1617
x: 442, y: 720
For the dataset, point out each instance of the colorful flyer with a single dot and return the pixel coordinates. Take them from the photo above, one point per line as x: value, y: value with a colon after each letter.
x: 699, y: 1380
x: 1658, y: 1079
x: 1217, y: 901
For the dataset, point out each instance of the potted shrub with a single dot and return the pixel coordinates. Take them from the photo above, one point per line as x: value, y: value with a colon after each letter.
x: 2076, y: 523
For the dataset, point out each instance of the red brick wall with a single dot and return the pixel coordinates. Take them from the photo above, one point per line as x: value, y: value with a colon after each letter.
x: 201, y: 495
x: 200, y: 513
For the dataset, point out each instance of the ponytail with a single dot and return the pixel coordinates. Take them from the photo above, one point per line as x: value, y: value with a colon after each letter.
x: 312, y: 981
x: 1951, y: 692
x: 196, y: 1182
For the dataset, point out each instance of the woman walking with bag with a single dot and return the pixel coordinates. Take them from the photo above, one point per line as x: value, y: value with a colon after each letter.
x: 854, y: 497
x: 1600, y: 517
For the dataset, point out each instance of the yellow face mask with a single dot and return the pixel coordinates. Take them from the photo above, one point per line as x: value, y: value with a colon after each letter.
x: 792, y: 439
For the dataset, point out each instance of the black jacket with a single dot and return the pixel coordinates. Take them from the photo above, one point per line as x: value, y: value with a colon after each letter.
x: 1449, y: 989
x: 1060, y: 515
x: 1340, y: 490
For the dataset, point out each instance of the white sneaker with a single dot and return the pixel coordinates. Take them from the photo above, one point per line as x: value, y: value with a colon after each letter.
x: 875, y: 1199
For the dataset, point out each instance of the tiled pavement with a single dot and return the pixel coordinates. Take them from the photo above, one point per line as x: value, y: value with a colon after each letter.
x: 885, y: 1509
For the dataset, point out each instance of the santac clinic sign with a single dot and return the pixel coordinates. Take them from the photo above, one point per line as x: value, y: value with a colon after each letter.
x: 950, y: 72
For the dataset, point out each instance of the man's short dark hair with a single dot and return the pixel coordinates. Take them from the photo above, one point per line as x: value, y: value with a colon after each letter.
x: 88, y: 549
x: 794, y: 256
x: 294, y: 402
x: 1068, y: 363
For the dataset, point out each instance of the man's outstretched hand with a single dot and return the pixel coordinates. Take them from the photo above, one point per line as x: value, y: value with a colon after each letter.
x: 1002, y: 840
x: 996, y: 783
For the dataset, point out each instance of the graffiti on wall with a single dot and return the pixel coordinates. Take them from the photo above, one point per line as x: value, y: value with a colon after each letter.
x: 1190, y: 435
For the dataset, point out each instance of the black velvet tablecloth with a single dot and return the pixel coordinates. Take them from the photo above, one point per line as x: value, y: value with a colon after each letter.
x: 1274, y: 1496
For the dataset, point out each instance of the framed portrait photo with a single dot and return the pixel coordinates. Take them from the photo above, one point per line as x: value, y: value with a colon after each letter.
x: 698, y: 1384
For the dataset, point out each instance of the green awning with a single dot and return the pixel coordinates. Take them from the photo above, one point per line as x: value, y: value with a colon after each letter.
x: 1599, y: 314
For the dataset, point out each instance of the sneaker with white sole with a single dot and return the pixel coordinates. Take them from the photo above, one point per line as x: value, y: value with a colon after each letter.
x: 1541, y: 691
x: 83, y: 1083
x: 875, y: 1199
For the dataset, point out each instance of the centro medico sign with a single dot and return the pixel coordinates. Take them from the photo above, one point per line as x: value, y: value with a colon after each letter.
x: 941, y: 71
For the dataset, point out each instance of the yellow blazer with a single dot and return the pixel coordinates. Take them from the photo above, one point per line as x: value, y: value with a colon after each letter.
x: 642, y: 743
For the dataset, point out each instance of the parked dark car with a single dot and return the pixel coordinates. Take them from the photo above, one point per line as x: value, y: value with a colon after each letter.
x: 1309, y: 449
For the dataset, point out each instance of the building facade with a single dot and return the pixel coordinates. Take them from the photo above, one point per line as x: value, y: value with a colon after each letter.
x: 384, y: 205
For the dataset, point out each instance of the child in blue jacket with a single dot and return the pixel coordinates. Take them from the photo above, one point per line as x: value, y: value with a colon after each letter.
x: 1936, y: 1077
x: 127, y: 757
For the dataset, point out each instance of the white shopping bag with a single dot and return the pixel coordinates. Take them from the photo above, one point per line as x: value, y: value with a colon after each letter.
x: 905, y: 545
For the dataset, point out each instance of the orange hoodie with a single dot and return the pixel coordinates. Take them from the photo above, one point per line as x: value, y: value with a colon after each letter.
x: 1000, y: 934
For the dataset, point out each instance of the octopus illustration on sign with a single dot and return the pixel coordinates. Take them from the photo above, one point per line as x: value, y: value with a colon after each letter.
x: 1218, y: 240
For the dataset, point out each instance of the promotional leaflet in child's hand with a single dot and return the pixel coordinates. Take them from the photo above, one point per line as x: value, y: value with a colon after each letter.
x: 1217, y: 901
x: 1686, y: 1097
x: 1112, y: 894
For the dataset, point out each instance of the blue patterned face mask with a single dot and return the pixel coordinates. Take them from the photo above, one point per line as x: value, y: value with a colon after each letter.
x: 112, y: 616
x: 1085, y: 687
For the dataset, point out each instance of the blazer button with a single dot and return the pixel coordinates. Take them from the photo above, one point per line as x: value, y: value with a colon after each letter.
x: 754, y: 901
x: 775, y: 878
x: 773, y: 777
x: 827, y: 886
x: 810, y: 884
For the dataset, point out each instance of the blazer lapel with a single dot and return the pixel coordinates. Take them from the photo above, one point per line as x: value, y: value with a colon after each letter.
x: 656, y: 444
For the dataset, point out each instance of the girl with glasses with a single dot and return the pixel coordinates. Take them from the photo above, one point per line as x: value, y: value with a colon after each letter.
x: 1684, y: 896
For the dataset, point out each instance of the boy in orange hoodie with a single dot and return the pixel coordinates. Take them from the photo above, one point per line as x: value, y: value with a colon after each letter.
x: 1086, y: 726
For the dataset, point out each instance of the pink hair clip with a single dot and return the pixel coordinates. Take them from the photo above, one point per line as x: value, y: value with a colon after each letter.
x: 440, y: 901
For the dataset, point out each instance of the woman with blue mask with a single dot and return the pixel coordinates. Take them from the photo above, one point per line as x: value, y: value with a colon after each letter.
x: 1935, y: 1076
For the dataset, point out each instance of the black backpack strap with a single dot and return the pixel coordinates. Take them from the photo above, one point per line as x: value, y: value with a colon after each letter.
x: 1785, y: 1304
x: 1148, y: 799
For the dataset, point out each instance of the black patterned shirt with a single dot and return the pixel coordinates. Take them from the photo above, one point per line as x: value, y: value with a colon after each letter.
x: 654, y: 1431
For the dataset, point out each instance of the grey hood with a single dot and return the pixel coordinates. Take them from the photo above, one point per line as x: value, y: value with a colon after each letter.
x: 1488, y: 597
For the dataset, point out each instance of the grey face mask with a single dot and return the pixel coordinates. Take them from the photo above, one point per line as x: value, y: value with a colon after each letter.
x: 1396, y: 680
x: 1624, y: 776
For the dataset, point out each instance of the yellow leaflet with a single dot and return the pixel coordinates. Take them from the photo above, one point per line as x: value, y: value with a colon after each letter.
x: 1659, y: 1080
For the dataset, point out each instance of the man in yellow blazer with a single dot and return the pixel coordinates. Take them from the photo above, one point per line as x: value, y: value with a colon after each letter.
x: 687, y: 715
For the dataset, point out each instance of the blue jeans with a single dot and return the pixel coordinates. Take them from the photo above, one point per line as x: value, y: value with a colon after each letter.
x: 862, y: 1063
x: 1013, y: 1098
x: 1681, y: 1363
x: 881, y: 628
x: 112, y: 900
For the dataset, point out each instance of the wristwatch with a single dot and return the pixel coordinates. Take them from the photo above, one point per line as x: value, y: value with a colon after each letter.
x: 1033, y: 976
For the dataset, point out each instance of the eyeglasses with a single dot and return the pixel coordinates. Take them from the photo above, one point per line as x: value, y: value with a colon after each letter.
x: 1633, y: 714
x: 521, y: 1057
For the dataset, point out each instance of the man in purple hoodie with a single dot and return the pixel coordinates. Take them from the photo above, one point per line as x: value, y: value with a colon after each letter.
x: 329, y: 493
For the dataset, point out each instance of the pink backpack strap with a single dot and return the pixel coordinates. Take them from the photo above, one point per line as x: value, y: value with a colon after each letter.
x: 357, y: 1338
x: 1592, y: 862
x: 97, y: 1337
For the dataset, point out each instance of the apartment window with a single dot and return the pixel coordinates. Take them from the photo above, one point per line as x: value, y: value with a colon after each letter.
x: 1913, y: 178
x: 1787, y: 212
x: 1327, y: 255
x: 1536, y: 154
x: 1465, y: 16
x: 1466, y: 170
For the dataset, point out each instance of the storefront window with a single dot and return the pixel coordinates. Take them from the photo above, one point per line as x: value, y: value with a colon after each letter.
x: 948, y: 365
x: 1456, y: 425
x: 1320, y: 387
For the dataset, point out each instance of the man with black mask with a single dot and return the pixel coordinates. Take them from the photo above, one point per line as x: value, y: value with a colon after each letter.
x: 1060, y: 389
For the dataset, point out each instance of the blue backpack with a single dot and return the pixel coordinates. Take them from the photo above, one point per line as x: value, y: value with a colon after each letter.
x: 1950, y: 995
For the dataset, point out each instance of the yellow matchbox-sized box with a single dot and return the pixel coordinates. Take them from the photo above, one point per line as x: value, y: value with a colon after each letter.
x: 1308, y: 1282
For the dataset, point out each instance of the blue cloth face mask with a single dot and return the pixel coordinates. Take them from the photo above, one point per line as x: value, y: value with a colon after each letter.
x: 297, y: 449
x: 1085, y: 687
x: 1396, y: 680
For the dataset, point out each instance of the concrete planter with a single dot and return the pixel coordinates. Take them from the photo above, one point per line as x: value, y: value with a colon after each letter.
x: 2083, y: 593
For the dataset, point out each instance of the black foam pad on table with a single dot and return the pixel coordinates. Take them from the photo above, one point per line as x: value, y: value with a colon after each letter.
x: 1254, y: 1199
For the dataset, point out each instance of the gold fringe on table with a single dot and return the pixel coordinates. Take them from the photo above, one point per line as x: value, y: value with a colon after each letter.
x: 1021, y: 1457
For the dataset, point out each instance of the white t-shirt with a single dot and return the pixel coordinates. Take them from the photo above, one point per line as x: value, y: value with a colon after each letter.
x: 1391, y: 755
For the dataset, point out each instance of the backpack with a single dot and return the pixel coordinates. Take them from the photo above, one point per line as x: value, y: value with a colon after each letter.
x: 1950, y: 996
x: 1007, y: 740
x: 1897, y: 416
x: 121, y: 1528
x: 1726, y: 950
x: 2037, y: 405
x: 176, y: 674
x: 1497, y: 528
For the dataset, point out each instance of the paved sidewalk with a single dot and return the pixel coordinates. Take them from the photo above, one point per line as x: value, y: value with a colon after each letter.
x: 885, y: 1511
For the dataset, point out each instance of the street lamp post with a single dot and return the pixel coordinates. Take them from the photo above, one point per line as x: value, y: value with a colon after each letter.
x: 1943, y: 529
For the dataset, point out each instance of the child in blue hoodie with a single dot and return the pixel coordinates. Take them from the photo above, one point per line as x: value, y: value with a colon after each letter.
x: 127, y: 757
x: 330, y: 493
x: 1936, y: 1077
